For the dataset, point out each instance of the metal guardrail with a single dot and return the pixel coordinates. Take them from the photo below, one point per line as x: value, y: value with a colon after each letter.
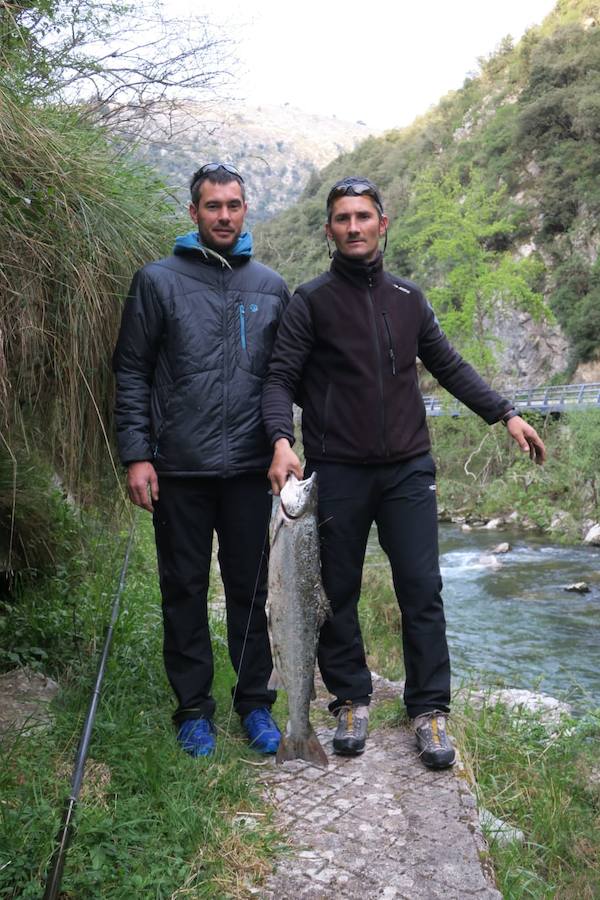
x: 555, y: 398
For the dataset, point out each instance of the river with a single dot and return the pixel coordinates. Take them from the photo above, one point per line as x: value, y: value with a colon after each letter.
x: 514, y: 624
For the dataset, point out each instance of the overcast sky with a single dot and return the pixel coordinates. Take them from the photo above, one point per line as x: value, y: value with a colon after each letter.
x: 381, y: 63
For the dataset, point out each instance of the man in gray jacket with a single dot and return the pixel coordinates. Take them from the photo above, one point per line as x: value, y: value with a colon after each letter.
x: 193, y: 348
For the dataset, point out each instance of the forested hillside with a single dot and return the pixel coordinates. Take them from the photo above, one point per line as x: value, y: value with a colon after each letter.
x: 494, y: 199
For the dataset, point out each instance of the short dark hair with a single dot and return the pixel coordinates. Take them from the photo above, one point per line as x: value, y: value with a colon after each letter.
x: 354, y: 186
x: 216, y: 173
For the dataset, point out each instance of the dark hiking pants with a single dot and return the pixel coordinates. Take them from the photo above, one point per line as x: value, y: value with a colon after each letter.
x: 400, y: 499
x: 188, y: 511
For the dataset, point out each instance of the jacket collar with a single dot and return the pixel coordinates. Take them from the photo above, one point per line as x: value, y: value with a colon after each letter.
x: 240, y: 253
x: 357, y: 270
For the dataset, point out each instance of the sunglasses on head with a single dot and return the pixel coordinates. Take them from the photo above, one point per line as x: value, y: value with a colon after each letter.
x: 214, y: 167
x: 354, y: 187
x: 207, y: 168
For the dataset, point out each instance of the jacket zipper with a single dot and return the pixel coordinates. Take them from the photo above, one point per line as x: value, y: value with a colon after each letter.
x: 379, y: 363
x: 224, y: 442
x: 243, y: 325
x: 391, y: 349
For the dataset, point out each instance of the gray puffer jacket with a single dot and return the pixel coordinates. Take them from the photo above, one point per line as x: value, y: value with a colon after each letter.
x: 192, y: 353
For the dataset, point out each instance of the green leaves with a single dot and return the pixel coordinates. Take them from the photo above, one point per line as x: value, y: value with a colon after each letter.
x: 453, y: 229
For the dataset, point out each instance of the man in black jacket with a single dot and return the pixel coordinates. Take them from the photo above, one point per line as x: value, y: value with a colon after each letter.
x: 346, y: 353
x: 195, y: 339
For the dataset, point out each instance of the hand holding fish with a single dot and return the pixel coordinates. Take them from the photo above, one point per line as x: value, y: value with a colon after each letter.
x: 284, y: 463
x: 527, y: 438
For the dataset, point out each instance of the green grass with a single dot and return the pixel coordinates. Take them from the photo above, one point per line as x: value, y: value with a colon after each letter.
x: 543, y: 785
x: 151, y: 821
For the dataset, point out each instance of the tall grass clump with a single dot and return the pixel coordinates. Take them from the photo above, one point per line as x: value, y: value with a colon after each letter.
x: 77, y: 217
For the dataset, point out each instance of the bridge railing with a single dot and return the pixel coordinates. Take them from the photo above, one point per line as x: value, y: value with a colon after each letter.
x: 555, y: 398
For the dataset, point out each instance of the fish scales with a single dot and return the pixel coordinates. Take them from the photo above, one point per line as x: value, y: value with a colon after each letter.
x: 296, y: 609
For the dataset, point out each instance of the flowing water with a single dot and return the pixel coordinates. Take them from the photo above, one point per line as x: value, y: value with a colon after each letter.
x: 510, y: 620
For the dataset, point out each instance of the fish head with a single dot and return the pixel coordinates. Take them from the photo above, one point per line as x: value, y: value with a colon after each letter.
x: 299, y: 497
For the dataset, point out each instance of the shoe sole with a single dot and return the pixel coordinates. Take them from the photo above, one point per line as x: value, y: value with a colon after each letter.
x: 348, y: 751
x: 438, y: 764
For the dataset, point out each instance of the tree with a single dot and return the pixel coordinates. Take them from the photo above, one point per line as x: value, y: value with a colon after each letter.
x: 120, y: 63
x: 457, y: 235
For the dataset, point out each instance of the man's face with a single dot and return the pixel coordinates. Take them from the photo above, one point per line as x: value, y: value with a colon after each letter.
x: 219, y: 214
x: 356, y: 226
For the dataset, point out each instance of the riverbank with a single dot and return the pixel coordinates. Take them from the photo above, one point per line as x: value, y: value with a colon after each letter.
x: 153, y: 822
x: 532, y: 767
x: 483, y: 475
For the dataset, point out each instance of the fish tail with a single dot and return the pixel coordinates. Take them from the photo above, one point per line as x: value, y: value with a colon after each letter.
x: 308, y: 748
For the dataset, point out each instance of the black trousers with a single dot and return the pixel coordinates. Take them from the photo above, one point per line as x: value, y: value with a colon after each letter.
x: 187, y: 513
x: 400, y: 499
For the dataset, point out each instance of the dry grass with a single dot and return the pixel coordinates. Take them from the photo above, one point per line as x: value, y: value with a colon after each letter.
x: 77, y: 220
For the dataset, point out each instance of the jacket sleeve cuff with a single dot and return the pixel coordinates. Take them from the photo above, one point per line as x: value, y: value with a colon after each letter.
x: 282, y: 434
x: 509, y: 414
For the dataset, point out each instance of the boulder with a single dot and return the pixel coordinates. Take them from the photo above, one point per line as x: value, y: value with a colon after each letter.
x: 578, y: 587
x: 504, y: 547
x: 493, y: 524
x: 593, y: 536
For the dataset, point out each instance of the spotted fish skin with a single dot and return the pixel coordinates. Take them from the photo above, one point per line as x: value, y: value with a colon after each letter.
x: 296, y: 609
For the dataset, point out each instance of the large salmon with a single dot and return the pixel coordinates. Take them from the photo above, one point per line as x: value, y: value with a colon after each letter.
x: 296, y: 609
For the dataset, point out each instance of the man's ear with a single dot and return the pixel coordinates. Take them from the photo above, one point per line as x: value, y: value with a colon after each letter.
x: 383, y: 225
x: 193, y: 210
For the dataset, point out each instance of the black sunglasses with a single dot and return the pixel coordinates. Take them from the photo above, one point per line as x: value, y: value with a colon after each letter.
x: 354, y: 187
x: 214, y: 167
x: 207, y: 168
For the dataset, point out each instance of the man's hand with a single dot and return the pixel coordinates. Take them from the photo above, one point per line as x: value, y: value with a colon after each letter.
x: 527, y: 438
x: 284, y: 463
x: 142, y: 484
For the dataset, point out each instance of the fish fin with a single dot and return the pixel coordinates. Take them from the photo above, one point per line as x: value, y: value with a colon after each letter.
x: 308, y: 748
x: 275, y: 681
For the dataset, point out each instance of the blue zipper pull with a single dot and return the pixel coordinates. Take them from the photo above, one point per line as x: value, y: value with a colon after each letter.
x: 243, y: 325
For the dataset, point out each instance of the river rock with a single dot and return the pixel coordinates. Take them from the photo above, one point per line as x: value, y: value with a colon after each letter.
x: 494, y: 523
x: 549, y: 709
x: 593, y: 535
x: 497, y: 830
x: 504, y: 547
x: 558, y: 519
x: 466, y: 527
x: 578, y: 587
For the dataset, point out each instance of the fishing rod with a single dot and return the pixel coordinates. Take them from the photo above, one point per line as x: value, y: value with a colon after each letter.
x: 63, y: 836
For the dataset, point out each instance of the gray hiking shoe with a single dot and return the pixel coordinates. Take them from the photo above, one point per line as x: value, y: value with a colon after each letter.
x: 351, y: 732
x: 435, y: 749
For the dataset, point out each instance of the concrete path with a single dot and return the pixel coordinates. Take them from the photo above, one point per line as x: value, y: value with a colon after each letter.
x: 379, y: 825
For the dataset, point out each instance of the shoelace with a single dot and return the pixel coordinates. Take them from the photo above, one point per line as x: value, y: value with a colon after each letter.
x: 261, y: 719
x: 351, y: 724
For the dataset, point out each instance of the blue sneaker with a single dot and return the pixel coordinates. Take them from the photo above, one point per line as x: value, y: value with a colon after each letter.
x: 263, y: 733
x: 197, y: 737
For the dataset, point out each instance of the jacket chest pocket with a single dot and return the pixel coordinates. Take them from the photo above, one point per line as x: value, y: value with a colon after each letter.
x: 254, y: 328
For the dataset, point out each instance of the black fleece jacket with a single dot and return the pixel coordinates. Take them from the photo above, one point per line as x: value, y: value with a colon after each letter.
x: 346, y: 353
